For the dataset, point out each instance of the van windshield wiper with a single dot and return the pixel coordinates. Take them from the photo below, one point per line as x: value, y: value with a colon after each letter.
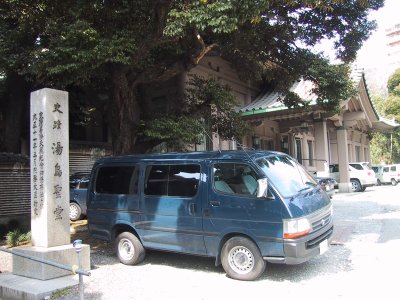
x: 294, y: 196
x: 307, y: 187
x: 303, y: 189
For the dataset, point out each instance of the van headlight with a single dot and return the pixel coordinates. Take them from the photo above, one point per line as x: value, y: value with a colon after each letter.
x: 295, y: 228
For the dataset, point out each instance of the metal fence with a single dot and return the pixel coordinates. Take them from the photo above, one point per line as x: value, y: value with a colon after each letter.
x: 15, y: 194
x: 74, y: 269
x: 15, y: 187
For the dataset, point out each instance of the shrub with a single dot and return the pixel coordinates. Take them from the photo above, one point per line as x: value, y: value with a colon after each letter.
x: 16, y: 238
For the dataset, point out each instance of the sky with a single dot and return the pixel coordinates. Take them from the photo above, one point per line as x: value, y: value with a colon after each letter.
x: 373, y: 51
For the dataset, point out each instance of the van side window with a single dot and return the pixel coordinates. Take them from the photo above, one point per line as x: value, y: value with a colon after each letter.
x: 172, y: 180
x: 393, y: 168
x: 235, y: 178
x: 117, y: 180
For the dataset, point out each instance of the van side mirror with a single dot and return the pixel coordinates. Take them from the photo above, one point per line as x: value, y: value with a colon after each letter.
x: 262, y: 188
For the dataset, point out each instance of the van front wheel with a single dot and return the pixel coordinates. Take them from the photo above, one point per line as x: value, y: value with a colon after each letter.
x: 130, y: 250
x: 241, y: 259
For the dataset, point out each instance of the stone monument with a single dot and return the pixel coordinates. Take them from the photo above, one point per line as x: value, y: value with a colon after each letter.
x: 50, y: 225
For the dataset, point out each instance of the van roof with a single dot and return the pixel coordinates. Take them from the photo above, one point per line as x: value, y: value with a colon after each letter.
x: 225, y: 154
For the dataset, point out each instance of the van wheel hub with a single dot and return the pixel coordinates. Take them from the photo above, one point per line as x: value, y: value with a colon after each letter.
x: 126, y: 249
x: 73, y: 212
x: 241, y: 260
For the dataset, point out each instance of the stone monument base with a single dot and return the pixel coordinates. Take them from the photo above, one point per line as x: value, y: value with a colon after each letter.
x: 65, y: 255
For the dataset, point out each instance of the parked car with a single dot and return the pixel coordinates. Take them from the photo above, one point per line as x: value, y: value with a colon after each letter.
x: 361, y: 175
x: 387, y: 174
x: 361, y: 165
x: 378, y: 169
x: 242, y: 208
x: 78, y: 191
x: 327, y: 184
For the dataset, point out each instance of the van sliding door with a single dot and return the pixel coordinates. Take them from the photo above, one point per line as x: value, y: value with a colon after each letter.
x: 171, y: 218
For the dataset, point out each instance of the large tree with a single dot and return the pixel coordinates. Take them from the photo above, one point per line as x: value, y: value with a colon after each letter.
x: 386, y: 146
x: 121, y: 46
x: 392, y: 104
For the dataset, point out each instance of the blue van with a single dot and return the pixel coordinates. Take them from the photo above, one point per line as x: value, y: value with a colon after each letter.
x: 244, y: 208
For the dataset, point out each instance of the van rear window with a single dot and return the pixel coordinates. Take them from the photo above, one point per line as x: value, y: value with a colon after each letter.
x: 117, y: 180
x: 172, y: 180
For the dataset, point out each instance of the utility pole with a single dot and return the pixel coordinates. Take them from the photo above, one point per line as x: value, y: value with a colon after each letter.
x: 391, y: 148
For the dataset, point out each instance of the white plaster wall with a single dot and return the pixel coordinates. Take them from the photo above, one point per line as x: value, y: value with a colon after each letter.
x: 244, y: 92
x: 220, y: 69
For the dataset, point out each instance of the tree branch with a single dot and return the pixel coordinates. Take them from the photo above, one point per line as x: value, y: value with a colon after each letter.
x: 204, y: 49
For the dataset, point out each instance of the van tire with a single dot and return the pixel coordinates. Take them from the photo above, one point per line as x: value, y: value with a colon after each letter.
x: 129, y: 249
x: 393, y: 181
x: 241, y: 259
x: 75, y: 211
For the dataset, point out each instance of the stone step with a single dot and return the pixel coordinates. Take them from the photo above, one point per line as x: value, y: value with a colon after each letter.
x: 14, y: 287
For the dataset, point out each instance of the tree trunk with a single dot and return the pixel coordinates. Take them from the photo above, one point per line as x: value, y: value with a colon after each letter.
x: 17, y: 103
x: 125, y: 113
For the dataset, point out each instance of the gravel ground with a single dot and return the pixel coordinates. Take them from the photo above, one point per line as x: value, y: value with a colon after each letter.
x: 361, y: 262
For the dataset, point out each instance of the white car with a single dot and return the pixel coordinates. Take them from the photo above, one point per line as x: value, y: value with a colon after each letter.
x: 361, y: 175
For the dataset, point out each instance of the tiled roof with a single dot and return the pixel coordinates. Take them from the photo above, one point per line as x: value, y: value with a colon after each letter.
x: 385, y: 125
x: 272, y: 99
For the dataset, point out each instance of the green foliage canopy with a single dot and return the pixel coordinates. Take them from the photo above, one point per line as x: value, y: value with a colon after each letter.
x: 385, y: 147
x: 394, y: 84
x: 208, y: 107
x: 391, y: 107
x: 119, y: 46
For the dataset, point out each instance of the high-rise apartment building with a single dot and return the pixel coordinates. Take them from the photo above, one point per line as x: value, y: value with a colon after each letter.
x: 393, y: 45
x: 381, y: 59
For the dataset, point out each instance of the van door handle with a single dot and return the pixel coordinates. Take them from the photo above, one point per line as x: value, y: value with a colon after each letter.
x: 215, y: 203
x: 192, y: 208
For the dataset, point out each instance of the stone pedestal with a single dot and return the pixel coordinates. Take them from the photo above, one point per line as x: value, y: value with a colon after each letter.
x: 64, y: 255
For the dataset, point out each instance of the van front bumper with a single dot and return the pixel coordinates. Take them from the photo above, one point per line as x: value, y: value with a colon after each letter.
x: 302, y: 249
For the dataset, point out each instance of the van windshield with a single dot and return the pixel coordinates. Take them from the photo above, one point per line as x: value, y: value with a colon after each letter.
x: 288, y: 176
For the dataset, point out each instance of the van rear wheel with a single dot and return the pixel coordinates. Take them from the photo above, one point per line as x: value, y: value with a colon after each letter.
x: 75, y: 211
x: 130, y: 250
x: 241, y: 259
x: 393, y: 181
